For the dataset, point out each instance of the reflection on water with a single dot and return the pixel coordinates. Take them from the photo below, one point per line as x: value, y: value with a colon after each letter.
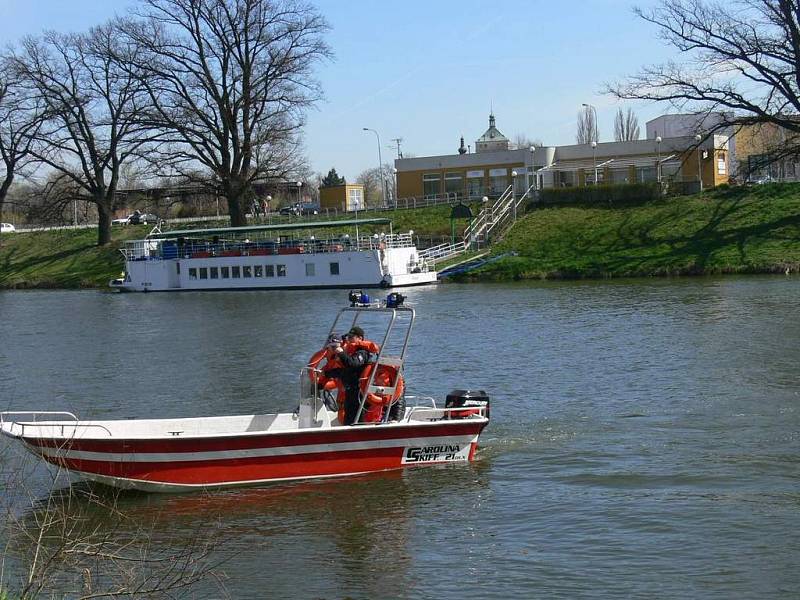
x: 644, y: 435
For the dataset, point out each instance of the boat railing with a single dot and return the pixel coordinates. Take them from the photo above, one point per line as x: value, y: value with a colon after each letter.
x: 434, y: 413
x: 172, y: 249
x: 34, y: 420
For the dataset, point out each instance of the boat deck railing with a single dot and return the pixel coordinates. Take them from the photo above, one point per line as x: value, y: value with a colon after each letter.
x: 192, y: 248
x: 52, y: 420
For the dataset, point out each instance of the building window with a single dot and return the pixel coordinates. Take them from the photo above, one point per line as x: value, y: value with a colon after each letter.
x: 225, y: 272
x: 475, y: 184
x: 310, y: 269
x: 431, y: 185
x: 721, y: 167
x: 269, y: 270
x: 454, y: 184
x: 192, y: 273
x: 258, y: 271
x: 178, y: 268
x: 355, y: 199
x: 498, y: 181
x: 334, y: 268
x: 214, y: 272
x: 235, y: 272
x: 247, y: 271
x: 203, y: 273
x: 281, y: 270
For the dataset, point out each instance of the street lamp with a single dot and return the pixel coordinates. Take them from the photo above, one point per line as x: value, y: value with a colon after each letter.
x: 380, y: 164
x: 299, y: 195
x: 658, y: 159
x: 594, y: 160
x: 697, y: 139
x: 532, y: 182
x: 513, y: 199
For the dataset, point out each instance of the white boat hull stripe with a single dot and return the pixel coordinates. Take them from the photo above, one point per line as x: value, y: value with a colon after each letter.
x: 157, y: 457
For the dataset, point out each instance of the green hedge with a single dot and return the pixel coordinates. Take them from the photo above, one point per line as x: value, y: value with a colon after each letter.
x: 601, y: 195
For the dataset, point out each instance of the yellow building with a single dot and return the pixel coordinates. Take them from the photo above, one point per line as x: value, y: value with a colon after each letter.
x: 347, y: 197
x: 490, y: 170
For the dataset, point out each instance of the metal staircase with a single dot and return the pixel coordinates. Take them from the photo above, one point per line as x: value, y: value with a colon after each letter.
x: 489, y: 226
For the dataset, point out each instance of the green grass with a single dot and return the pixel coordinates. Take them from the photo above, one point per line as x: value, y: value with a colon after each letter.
x: 737, y: 230
x: 62, y: 258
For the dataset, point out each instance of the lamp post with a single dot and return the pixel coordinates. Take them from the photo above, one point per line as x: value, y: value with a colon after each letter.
x: 658, y: 159
x: 355, y: 206
x: 395, y: 194
x: 380, y: 164
x: 513, y: 198
x: 697, y: 139
x: 532, y: 183
x: 299, y: 195
x: 594, y: 160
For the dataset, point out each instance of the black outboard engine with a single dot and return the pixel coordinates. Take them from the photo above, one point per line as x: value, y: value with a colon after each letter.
x: 471, y: 400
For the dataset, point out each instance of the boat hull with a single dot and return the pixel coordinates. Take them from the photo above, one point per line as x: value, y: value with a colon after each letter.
x: 182, y: 464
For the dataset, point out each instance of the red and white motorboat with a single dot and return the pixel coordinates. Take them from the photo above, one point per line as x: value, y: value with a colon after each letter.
x: 173, y: 455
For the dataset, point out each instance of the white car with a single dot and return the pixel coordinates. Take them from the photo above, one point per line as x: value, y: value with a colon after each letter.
x: 7, y: 228
x: 122, y: 221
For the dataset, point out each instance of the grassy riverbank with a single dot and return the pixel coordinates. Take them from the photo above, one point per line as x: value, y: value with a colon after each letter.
x: 70, y: 258
x: 738, y: 230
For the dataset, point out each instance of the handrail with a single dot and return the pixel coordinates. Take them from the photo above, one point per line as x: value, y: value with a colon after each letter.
x: 34, y: 414
x: 480, y: 410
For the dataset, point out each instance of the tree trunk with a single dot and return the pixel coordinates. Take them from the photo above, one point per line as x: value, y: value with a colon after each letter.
x: 103, y: 224
x: 3, y: 191
x: 236, y: 194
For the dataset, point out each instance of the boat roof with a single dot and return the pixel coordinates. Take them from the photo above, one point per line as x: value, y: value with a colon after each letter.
x: 281, y: 227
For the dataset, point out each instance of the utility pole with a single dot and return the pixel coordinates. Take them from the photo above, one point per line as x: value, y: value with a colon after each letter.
x: 397, y: 143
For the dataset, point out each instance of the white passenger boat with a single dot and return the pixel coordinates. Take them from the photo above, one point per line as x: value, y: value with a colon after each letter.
x: 391, y: 430
x: 273, y: 256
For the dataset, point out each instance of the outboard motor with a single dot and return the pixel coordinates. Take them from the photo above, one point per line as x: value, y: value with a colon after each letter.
x: 467, y: 399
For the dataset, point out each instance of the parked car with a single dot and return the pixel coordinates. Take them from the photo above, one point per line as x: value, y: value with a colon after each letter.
x: 122, y: 221
x: 7, y: 228
x: 307, y: 208
x: 300, y: 208
x: 138, y: 218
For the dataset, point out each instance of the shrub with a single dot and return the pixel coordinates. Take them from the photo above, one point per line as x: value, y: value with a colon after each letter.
x: 608, y: 195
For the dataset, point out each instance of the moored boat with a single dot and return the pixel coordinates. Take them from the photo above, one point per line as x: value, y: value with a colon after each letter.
x: 286, y: 256
x: 391, y: 430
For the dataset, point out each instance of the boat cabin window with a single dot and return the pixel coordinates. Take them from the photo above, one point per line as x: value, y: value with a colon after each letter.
x: 247, y: 271
x: 192, y: 273
x: 203, y: 273
x: 269, y: 270
x: 225, y: 272
x: 310, y: 269
x: 258, y: 271
x: 334, y: 268
x: 178, y: 268
x: 235, y: 272
x: 213, y: 272
x: 281, y: 270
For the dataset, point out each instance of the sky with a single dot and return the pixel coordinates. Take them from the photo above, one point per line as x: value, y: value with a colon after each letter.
x: 430, y: 71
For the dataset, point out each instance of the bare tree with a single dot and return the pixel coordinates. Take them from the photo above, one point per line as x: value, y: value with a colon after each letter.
x: 371, y: 180
x: 20, y: 120
x: 229, y: 82
x: 90, y: 107
x: 626, y: 126
x: 587, y: 126
x: 741, y: 59
x: 522, y: 141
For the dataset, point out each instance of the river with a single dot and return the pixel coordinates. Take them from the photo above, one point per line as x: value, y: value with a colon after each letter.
x: 645, y: 435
